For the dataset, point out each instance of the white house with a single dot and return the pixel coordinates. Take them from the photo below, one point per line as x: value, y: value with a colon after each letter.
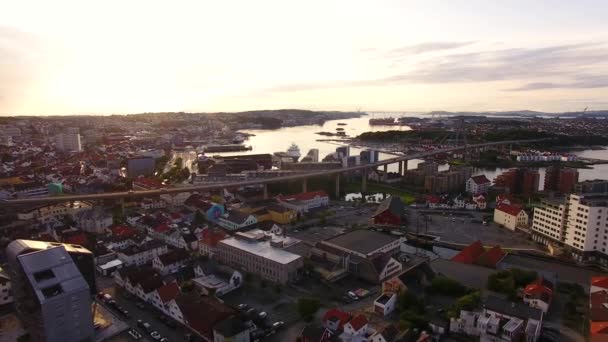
x: 388, y: 334
x: 235, y: 220
x: 478, y: 185
x: 481, y: 202
x: 510, y: 217
x: 161, y: 296
x: 385, y: 304
x: 355, y: 327
x: 218, y: 283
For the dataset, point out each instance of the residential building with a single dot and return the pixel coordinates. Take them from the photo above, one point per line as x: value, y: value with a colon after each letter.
x: 6, y: 296
x: 539, y: 294
x: 303, y: 202
x: 141, y: 254
x: 519, y: 181
x: 560, y: 180
x: 356, y: 327
x: 52, y: 297
x: 235, y: 220
x: 478, y: 185
x: 210, y: 238
x: 53, y: 212
x: 68, y: 142
x: 202, y: 313
x: 390, y: 333
x: 334, y: 320
x: 587, y: 227
x: 94, y: 220
x: 261, y: 253
x: 510, y: 216
x: 480, y: 201
x: 390, y: 212
x: 218, y: 280
x: 450, y: 181
x: 549, y: 221
x: 591, y: 186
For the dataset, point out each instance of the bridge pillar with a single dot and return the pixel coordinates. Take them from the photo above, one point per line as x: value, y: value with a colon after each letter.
x: 337, y: 186
x: 305, y: 185
x: 364, y: 180
x: 265, y: 191
x: 385, y: 168
x: 401, y: 168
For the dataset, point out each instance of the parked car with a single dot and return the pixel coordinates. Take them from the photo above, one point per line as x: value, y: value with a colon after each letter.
x: 155, y: 335
x: 145, y: 325
x: 134, y: 334
x: 141, y: 305
x: 352, y: 295
x: 278, y: 325
x: 243, y: 307
x: 164, y: 339
x: 262, y: 315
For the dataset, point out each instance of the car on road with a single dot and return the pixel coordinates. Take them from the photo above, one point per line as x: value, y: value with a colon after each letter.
x: 243, y: 307
x: 135, y: 335
x: 141, y: 305
x: 145, y: 325
x: 278, y: 325
x: 164, y: 339
x: 262, y: 315
x: 155, y: 335
x: 352, y: 295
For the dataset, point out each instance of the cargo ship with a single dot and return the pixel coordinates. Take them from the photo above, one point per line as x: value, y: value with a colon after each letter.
x: 225, y: 148
x: 383, y: 122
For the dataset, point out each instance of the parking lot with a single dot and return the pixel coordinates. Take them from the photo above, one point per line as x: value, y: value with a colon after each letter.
x: 465, y: 228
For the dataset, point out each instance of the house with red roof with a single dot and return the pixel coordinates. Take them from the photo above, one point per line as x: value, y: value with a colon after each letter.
x: 469, y: 254
x: 491, y: 257
x: 354, y: 328
x: 335, y: 319
x: 481, y: 201
x: 510, y: 216
x: 598, y: 309
x: 209, y: 240
x: 538, y: 294
x: 478, y: 184
x: 303, y: 202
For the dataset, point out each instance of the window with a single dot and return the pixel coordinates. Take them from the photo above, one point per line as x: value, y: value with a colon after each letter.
x: 52, y: 291
x: 44, y: 275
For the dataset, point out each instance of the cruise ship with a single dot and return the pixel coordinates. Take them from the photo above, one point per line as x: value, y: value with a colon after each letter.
x: 294, y: 151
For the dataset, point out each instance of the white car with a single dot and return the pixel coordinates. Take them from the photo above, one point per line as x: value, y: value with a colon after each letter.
x: 155, y: 335
x: 135, y: 334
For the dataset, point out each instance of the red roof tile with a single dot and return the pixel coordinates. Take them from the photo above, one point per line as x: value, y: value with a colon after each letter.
x: 481, y: 179
x: 168, y: 292
x: 470, y: 253
x: 509, y: 209
x: 358, y: 322
x: 600, y: 282
x: 336, y: 314
x: 491, y: 257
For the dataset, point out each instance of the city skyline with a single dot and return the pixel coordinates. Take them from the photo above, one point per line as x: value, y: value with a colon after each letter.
x: 71, y: 58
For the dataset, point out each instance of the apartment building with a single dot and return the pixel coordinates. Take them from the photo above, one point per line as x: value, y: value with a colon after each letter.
x: 549, y: 221
x: 68, y: 142
x: 579, y: 223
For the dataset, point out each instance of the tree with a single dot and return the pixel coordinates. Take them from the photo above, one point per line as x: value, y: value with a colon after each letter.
x: 199, y: 218
x: 307, y: 307
x: 467, y: 302
x: 446, y: 286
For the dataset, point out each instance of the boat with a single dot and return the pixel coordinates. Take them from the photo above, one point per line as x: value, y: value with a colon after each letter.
x: 383, y: 122
x: 342, y: 124
x: 339, y: 129
x: 294, y: 151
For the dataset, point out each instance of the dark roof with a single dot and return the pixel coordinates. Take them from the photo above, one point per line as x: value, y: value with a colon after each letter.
x: 237, y: 216
x: 379, y: 260
x: 231, y: 327
x: 151, y: 283
x: 203, y: 313
x: 393, y: 204
x: 389, y: 333
x: 134, y: 249
x: 491, y: 257
x: 174, y: 256
x: 510, y: 308
x: 362, y: 241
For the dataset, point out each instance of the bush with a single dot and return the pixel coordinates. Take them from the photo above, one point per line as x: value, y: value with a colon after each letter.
x: 447, y: 287
x: 307, y: 307
x: 508, y: 281
x: 409, y: 302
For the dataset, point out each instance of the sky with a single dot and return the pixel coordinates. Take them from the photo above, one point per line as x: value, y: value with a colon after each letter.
x: 104, y: 57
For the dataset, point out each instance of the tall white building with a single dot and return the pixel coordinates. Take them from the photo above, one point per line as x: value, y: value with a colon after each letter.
x: 580, y: 223
x: 68, y: 142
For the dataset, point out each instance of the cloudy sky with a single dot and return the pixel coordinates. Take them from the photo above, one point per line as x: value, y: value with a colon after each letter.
x: 102, y: 57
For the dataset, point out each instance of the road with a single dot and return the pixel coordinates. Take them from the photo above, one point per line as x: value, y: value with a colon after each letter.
x: 239, y: 184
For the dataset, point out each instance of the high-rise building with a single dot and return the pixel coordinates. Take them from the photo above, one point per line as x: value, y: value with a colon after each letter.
x: 519, y: 181
x: 579, y: 223
x: 68, y: 142
x: 143, y: 166
x: 52, y: 297
x: 561, y: 180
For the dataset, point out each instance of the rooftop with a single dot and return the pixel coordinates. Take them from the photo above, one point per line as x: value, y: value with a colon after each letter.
x: 362, y: 241
x: 263, y: 249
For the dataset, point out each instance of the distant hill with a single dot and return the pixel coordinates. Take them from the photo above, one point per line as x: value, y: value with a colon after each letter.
x: 523, y: 113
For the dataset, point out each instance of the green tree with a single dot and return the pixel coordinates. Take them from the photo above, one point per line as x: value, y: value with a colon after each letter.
x: 307, y: 307
x: 467, y: 302
x: 199, y: 218
x: 446, y: 286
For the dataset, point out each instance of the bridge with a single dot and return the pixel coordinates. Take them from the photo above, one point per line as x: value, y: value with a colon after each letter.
x: 401, y: 160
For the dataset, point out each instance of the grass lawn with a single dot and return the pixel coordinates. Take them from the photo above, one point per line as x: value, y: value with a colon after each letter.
x: 406, y: 196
